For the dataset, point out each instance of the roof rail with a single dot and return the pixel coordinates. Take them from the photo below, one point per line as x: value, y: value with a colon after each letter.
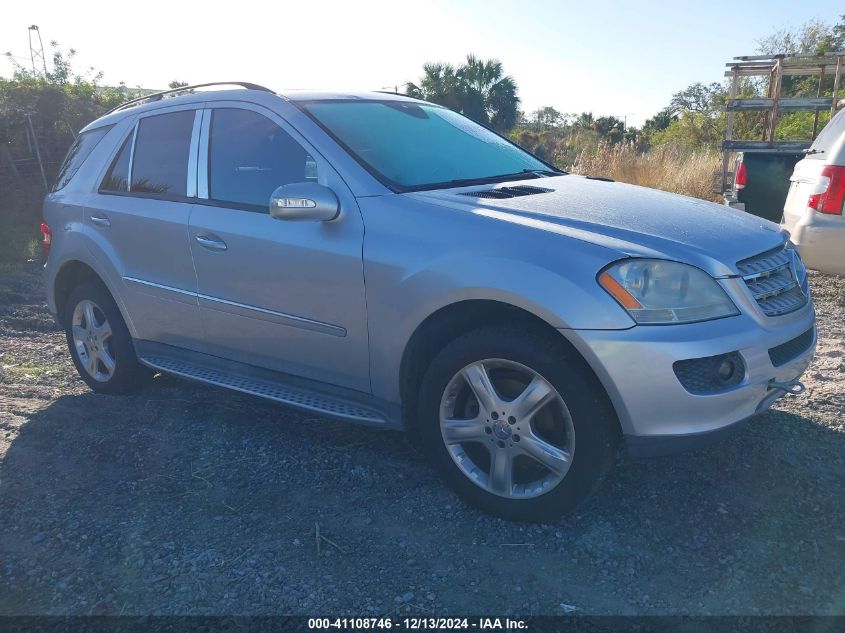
x: 157, y: 96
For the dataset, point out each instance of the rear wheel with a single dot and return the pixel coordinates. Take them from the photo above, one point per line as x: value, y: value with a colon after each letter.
x: 516, y: 423
x: 99, y: 341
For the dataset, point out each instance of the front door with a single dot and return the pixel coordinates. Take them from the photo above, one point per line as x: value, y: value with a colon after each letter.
x: 283, y: 295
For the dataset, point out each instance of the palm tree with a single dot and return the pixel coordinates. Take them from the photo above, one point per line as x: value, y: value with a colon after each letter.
x: 478, y: 89
x: 439, y: 84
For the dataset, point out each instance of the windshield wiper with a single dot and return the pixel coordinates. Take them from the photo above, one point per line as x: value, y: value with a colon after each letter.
x: 545, y: 173
x: 486, y: 180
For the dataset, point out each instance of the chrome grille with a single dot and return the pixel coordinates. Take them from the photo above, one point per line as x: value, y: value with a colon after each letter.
x: 770, y: 277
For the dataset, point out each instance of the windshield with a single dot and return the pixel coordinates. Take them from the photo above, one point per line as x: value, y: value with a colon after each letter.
x: 410, y: 146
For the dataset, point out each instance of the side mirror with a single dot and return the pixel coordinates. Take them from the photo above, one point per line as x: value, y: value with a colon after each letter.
x: 304, y: 201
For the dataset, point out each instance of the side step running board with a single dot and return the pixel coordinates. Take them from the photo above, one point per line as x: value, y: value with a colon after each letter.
x: 285, y: 394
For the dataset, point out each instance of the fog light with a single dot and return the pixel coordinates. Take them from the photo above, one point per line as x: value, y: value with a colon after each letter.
x: 711, y: 374
x: 726, y: 370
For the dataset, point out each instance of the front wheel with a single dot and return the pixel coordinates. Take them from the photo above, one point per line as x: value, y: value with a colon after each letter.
x: 516, y: 423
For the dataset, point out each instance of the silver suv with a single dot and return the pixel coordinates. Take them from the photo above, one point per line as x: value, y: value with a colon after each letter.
x: 386, y: 261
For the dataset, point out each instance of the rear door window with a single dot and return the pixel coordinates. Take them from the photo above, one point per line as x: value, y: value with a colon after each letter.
x: 249, y: 156
x: 160, y: 162
x: 79, y: 151
x: 831, y: 133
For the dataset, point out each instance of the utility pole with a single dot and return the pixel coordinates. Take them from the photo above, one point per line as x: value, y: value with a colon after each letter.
x: 36, y: 50
x: 625, y: 119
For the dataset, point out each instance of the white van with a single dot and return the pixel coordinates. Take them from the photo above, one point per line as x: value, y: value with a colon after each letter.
x: 813, y: 211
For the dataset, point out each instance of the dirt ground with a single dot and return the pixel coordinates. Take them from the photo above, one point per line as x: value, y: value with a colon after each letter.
x: 184, y: 499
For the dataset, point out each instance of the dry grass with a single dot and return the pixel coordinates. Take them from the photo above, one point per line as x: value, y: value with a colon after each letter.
x: 667, y: 167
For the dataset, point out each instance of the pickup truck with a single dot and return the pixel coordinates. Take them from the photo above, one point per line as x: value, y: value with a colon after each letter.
x: 761, y: 182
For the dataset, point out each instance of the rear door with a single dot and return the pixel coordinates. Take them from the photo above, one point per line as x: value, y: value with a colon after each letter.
x: 140, y: 214
x: 283, y: 295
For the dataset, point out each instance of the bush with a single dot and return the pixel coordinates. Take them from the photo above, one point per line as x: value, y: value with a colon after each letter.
x: 56, y: 105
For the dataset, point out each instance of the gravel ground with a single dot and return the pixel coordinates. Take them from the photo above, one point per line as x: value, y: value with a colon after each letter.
x: 184, y: 499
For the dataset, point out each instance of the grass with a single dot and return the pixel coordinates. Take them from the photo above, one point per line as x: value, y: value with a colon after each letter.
x: 17, y: 244
x: 667, y: 167
x: 13, y: 368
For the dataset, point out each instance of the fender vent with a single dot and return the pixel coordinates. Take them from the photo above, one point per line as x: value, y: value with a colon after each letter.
x: 505, y: 192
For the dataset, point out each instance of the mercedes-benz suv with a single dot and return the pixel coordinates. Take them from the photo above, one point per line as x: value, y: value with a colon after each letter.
x: 386, y: 261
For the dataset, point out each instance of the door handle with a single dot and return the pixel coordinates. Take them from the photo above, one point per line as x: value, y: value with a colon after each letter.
x: 100, y: 220
x: 212, y: 243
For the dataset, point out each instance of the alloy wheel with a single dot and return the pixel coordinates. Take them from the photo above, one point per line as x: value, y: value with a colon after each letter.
x: 507, y: 428
x: 92, y: 339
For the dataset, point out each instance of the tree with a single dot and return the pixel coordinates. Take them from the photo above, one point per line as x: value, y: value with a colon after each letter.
x: 813, y: 36
x: 59, y: 103
x: 659, y: 121
x: 478, y: 89
x: 585, y: 121
x: 839, y: 32
x: 698, y: 97
x: 491, y: 95
x: 546, y: 118
x: 439, y: 84
x: 55, y: 105
x: 610, y: 127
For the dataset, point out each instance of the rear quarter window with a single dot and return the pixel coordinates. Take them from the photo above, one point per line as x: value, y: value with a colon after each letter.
x: 828, y: 137
x: 78, y: 152
x: 117, y: 177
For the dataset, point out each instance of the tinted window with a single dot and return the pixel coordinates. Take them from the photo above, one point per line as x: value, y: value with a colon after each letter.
x: 117, y: 178
x: 79, y: 151
x: 249, y: 156
x: 831, y: 133
x: 160, y: 164
x: 418, y: 146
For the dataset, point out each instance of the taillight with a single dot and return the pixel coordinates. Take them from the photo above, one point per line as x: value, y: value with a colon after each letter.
x: 47, y: 241
x: 741, y: 175
x: 830, y: 191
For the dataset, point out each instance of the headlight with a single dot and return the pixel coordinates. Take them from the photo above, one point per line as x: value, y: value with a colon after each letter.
x: 656, y: 291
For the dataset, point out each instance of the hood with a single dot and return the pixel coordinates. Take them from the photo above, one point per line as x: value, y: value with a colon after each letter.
x: 634, y: 221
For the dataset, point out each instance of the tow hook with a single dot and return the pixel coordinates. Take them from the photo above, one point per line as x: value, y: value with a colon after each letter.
x: 795, y: 387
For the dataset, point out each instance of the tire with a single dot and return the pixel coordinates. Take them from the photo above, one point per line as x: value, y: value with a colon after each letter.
x: 103, y: 355
x: 559, y: 437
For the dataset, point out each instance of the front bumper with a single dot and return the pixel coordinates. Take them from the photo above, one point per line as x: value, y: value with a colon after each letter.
x: 657, y: 414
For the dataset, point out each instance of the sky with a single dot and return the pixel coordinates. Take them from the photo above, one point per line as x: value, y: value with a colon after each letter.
x: 603, y: 56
